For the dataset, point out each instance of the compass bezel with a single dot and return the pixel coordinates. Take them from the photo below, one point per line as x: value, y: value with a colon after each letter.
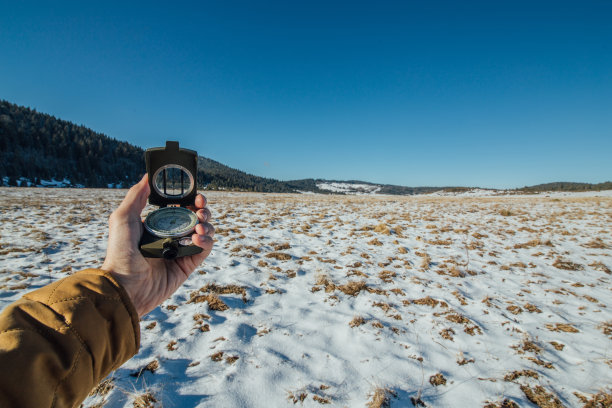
x: 170, y: 212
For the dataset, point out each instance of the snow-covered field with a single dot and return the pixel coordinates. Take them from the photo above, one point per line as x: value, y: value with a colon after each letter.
x: 348, y: 301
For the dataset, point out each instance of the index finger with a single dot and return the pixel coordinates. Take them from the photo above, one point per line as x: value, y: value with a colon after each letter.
x: 200, y: 201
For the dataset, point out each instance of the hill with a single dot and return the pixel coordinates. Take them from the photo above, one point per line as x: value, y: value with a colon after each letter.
x: 40, y: 149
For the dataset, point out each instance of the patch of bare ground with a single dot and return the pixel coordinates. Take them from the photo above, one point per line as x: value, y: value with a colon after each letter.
x: 567, y: 265
x: 381, y: 398
x: 541, y: 397
x: 603, y: 399
x: 145, y: 401
x: 562, y: 327
x: 357, y: 321
x: 437, y: 379
x: 506, y: 403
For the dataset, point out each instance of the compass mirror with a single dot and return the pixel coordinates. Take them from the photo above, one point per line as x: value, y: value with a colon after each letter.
x: 173, y: 181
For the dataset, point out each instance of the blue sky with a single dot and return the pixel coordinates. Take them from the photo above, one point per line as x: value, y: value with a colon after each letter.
x: 488, y: 93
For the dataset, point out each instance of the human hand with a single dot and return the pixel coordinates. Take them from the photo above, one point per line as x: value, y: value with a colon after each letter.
x: 150, y: 281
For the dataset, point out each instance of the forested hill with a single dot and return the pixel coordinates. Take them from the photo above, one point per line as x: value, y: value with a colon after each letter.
x: 37, y: 146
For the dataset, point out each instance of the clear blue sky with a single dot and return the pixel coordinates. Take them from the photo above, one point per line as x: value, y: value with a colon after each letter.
x: 477, y: 93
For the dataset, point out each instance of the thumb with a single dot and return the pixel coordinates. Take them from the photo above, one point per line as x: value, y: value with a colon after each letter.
x: 136, y: 198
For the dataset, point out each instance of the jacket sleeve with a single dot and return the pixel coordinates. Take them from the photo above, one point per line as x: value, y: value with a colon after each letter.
x: 58, y: 342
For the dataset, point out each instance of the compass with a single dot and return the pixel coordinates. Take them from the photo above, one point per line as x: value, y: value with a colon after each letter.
x: 171, y: 222
x: 167, y: 230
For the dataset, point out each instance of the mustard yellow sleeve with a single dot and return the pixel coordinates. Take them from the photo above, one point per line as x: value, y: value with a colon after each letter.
x: 58, y: 342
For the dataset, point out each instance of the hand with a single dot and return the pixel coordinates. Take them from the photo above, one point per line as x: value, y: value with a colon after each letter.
x: 150, y: 281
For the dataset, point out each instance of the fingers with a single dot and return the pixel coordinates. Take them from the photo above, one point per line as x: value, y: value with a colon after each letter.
x: 205, y: 229
x: 200, y: 201
x: 136, y: 198
x: 203, y: 215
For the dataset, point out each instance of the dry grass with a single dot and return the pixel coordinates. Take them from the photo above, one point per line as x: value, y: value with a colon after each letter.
x: 357, y: 321
x: 352, y: 288
x: 145, y: 401
x: 523, y: 373
x: 596, y: 243
x: 280, y: 256
x: 103, y: 388
x: 564, y: 264
x: 381, y: 398
x: 603, y: 399
x: 506, y: 403
x: 437, y: 379
x: 150, y: 367
x: 214, y: 303
x: 225, y: 290
x: 562, y: 327
x: 541, y: 397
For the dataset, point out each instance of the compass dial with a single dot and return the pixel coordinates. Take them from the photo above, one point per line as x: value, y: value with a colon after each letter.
x: 170, y: 222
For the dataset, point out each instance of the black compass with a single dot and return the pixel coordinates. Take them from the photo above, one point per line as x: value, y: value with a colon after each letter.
x: 172, y: 179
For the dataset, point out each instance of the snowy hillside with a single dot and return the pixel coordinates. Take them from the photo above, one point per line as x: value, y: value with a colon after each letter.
x: 349, y: 188
x: 311, y: 300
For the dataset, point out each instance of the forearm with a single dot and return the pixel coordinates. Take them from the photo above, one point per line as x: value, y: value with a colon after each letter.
x: 58, y: 342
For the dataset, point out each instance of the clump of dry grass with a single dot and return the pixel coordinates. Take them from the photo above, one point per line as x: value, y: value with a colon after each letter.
x: 281, y: 247
x: 514, y: 309
x: 523, y: 373
x: 218, y: 356
x: 606, y: 328
x: 280, y: 256
x: 596, y: 243
x: 352, y: 288
x: 375, y: 241
x: 214, y: 303
x: 562, y: 327
x: 557, y: 346
x: 598, y: 266
x: 437, y: 379
x: 532, y: 308
x: 602, y: 399
x: 382, y: 229
x: 357, y: 321
x: 321, y: 400
x: 506, y: 403
x: 145, y: 401
x: 457, y: 318
x: 381, y: 398
x: 567, y: 265
x: 541, y: 397
x: 533, y: 243
x: 387, y: 276
x: 225, y: 290
x: 103, y: 388
x: 447, y: 334
x: 150, y: 367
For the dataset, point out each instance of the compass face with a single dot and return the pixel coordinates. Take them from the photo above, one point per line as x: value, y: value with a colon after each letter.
x: 170, y: 222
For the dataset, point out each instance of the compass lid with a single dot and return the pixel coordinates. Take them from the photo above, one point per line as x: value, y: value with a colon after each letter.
x: 173, y: 175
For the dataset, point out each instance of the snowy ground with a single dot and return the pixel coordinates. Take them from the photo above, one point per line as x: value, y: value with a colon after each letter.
x: 445, y: 301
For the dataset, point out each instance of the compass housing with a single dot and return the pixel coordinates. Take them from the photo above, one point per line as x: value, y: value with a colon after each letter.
x: 173, y: 184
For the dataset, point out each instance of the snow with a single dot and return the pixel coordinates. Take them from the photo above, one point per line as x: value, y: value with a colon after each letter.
x: 349, y: 188
x: 496, y: 262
